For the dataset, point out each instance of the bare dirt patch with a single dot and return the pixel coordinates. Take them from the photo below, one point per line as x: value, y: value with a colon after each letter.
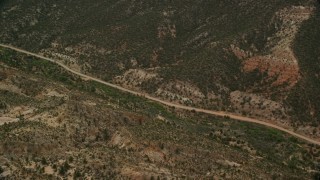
x: 4, y: 120
x: 179, y: 91
x: 134, y: 78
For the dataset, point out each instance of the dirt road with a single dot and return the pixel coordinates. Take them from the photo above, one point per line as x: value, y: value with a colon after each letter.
x: 216, y: 113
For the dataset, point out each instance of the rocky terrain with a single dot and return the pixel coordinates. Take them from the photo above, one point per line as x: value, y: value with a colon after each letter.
x: 259, y: 59
x: 209, y: 54
x: 57, y: 125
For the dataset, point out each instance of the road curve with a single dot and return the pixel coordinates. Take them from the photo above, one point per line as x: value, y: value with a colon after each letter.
x: 178, y: 106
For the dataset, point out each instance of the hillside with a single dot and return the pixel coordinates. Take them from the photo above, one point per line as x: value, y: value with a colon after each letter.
x: 59, y: 125
x: 248, y: 57
x: 258, y: 59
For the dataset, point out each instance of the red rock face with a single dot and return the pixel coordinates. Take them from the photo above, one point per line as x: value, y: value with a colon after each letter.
x: 281, y: 64
x: 285, y: 72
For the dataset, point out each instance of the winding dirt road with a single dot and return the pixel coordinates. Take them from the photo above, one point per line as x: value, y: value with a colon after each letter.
x: 211, y: 112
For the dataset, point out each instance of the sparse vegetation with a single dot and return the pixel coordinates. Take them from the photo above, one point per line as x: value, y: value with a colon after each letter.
x: 60, y: 126
x: 124, y: 126
x: 190, y: 42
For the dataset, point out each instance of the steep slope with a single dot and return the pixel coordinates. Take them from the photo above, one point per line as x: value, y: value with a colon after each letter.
x: 305, y: 97
x: 244, y: 56
x: 63, y: 126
